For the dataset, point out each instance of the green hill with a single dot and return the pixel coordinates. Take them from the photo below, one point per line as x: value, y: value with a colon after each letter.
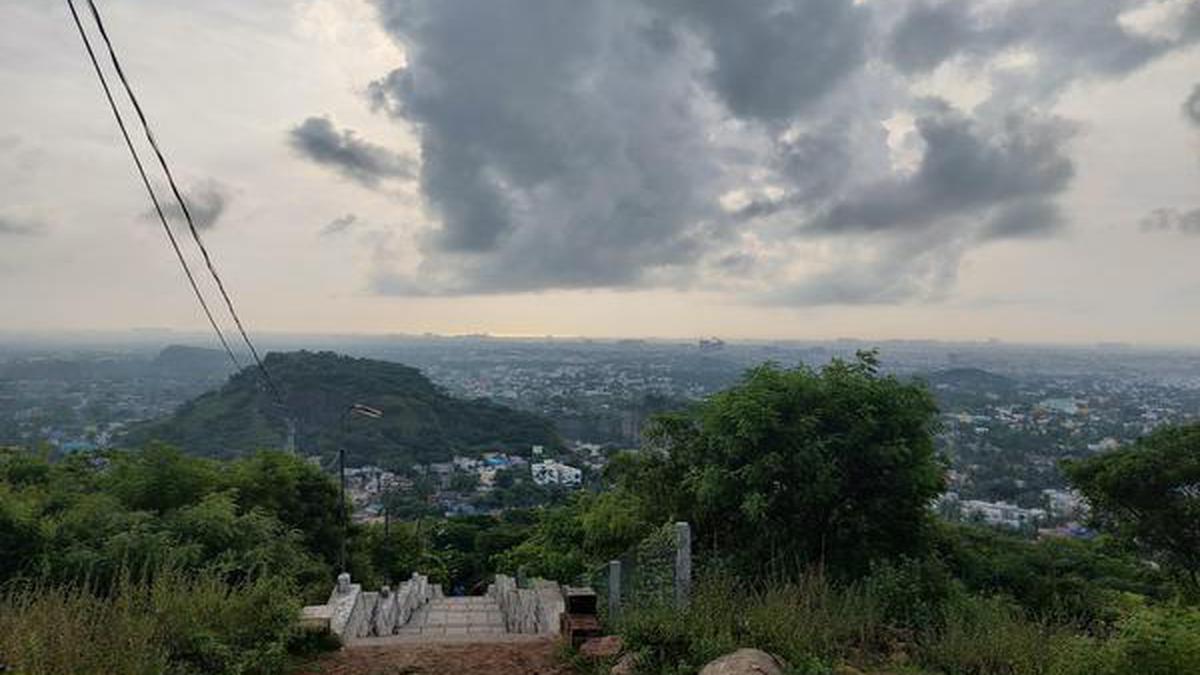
x: 421, y: 422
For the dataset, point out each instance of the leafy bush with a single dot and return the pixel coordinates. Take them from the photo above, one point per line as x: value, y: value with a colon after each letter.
x: 912, y: 592
x: 91, y: 516
x: 1156, y: 641
x: 1088, y: 583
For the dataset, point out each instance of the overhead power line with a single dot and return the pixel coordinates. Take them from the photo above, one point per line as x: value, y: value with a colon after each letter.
x: 137, y: 160
x: 187, y: 215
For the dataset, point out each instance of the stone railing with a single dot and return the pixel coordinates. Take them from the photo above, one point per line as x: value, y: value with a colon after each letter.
x: 353, y: 613
x: 534, y: 610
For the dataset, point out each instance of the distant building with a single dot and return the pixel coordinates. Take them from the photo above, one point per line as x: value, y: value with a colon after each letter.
x: 551, y: 472
x: 1002, y: 513
x: 711, y: 344
x: 1064, y: 503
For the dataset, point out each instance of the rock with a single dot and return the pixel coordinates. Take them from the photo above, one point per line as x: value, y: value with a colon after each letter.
x: 601, y: 647
x: 626, y: 665
x: 746, y: 662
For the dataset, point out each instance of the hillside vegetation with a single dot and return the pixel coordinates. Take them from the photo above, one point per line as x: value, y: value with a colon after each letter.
x: 421, y: 422
x: 808, y: 491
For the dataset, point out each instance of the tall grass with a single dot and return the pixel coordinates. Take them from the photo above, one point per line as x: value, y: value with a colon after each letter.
x: 816, y: 624
x: 168, y: 622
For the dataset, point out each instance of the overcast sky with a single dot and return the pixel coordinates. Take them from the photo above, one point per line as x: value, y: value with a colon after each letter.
x: 1019, y: 169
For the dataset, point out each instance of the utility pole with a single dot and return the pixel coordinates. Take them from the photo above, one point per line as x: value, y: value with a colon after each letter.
x: 342, y: 504
x: 351, y: 410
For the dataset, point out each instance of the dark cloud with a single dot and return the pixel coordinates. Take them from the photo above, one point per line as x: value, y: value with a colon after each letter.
x: 366, y: 163
x: 591, y: 143
x: 206, y: 202
x: 566, y: 150
x: 773, y: 59
x: 340, y: 224
x: 19, y: 227
x: 1191, y: 107
x: 1032, y: 218
x: 965, y: 172
x: 1069, y: 38
x: 930, y: 34
x: 1172, y: 220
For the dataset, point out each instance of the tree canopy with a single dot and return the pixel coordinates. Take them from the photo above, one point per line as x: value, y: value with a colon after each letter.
x: 98, y: 516
x: 798, y: 465
x: 1148, y: 494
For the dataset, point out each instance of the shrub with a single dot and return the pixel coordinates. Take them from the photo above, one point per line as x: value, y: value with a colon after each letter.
x: 166, y: 623
x: 912, y: 592
x: 809, y: 623
x: 989, y: 636
x: 1156, y: 641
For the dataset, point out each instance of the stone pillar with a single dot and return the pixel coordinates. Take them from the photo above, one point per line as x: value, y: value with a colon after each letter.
x: 683, y: 563
x: 614, y: 590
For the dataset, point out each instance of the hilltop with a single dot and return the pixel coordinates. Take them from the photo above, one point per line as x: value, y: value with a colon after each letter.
x: 421, y: 422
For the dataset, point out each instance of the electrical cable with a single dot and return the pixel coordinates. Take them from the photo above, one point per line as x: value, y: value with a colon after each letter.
x: 137, y: 160
x: 182, y: 203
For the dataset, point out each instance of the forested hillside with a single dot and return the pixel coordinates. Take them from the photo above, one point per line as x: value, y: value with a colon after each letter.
x: 421, y: 422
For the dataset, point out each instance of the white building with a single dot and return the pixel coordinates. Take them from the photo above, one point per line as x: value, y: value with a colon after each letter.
x: 1002, y: 513
x: 551, y: 472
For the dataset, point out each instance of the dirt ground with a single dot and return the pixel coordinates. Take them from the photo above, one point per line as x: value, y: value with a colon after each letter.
x: 524, y: 658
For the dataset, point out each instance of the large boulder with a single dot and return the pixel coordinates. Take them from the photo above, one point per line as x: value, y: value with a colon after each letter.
x: 746, y: 662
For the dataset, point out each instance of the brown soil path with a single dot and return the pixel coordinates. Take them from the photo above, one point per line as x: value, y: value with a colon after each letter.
x: 532, y: 657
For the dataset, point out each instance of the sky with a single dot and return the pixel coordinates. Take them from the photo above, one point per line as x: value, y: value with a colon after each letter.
x: 806, y: 169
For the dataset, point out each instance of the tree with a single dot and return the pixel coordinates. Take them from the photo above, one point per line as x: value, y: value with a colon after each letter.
x: 297, y: 492
x: 1148, y: 494
x: 798, y: 465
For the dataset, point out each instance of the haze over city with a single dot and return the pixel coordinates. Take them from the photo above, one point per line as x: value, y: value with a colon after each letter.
x: 1022, y: 170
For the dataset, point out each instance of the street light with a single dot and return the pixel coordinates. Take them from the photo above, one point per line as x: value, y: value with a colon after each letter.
x: 351, y: 410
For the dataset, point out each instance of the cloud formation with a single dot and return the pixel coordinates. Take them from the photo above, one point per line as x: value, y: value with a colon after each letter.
x: 1172, y: 220
x: 683, y: 143
x: 19, y: 227
x: 206, y: 202
x: 1191, y: 107
x: 340, y: 225
x: 368, y: 164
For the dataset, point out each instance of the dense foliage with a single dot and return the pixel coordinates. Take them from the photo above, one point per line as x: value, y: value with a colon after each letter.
x: 798, y: 465
x: 1148, y: 493
x: 154, y: 561
x: 94, y: 516
x: 421, y: 423
x: 809, y: 493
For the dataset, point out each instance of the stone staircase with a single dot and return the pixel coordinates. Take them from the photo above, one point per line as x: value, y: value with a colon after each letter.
x: 419, y: 612
x: 456, y: 617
